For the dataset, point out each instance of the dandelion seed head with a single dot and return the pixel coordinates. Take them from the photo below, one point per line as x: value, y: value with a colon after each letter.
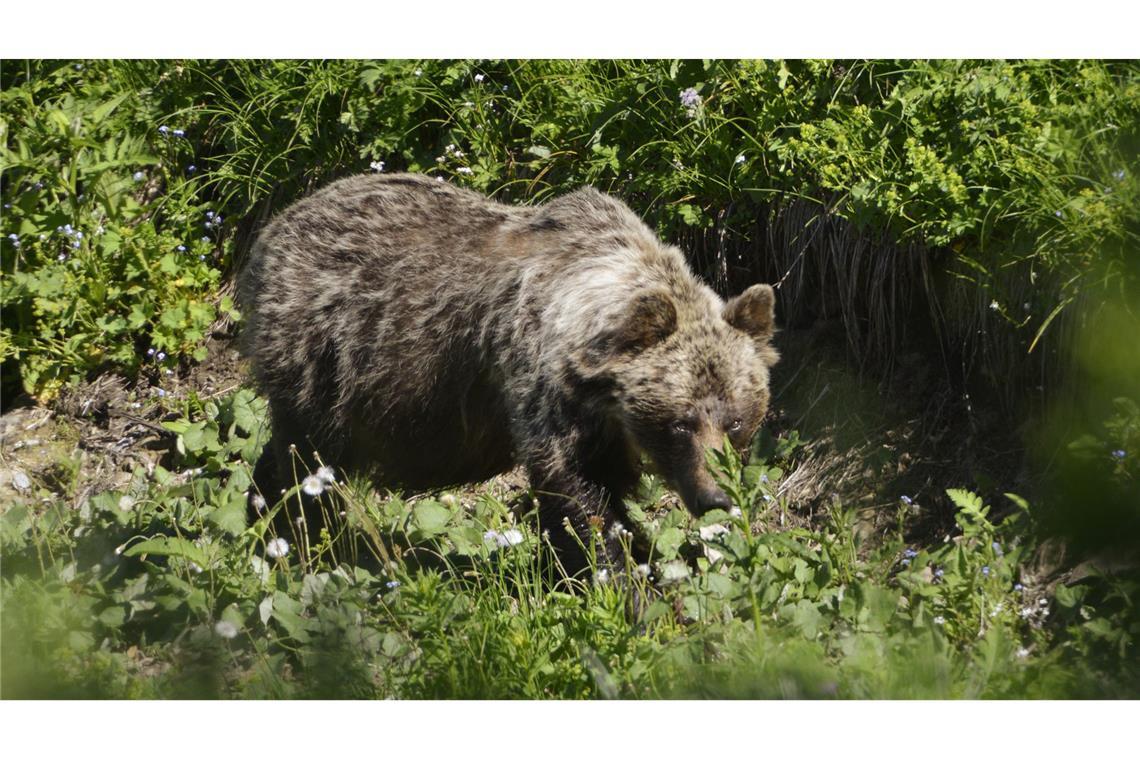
x: 277, y: 548
x: 313, y: 485
x: 326, y: 474
x: 225, y: 629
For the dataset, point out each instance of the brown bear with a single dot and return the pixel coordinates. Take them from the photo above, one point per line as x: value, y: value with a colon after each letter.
x: 425, y: 336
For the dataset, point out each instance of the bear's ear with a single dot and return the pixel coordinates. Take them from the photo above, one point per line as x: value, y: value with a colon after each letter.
x: 650, y: 319
x: 753, y: 312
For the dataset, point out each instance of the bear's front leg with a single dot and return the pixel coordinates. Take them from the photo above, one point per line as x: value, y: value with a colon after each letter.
x: 578, y: 515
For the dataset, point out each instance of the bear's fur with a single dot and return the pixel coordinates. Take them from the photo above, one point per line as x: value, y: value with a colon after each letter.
x: 426, y: 336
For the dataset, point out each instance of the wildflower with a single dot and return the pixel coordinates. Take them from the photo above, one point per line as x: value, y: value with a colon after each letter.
x: 258, y: 502
x: 690, y: 98
x: 735, y: 512
x: 377, y: 166
x: 994, y: 306
x: 75, y: 245
x: 179, y: 133
x: 61, y: 257
x: 418, y: 72
x: 225, y: 629
x: 939, y: 620
x: 209, y: 214
x: 164, y: 129
x: 205, y: 239
x: 99, y: 230
x: 15, y: 240
x: 465, y: 170
x: 392, y: 584
x: 467, y: 104
x: 313, y: 486
x: 159, y: 392
x: 277, y: 548
x: 505, y: 88
x: 150, y: 352
x: 997, y: 608
x: 1022, y: 653
x: 181, y: 249
x: 906, y: 500
x: 910, y: 554
x: 1118, y: 175
x: 191, y: 169
x: 740, y: 159
x: 939, y: 573
x: 764, y: 478
x: 986, y: 571
x: 1026, y: 613
x: 1057, y: 213
x: 478, y: 77
x: 643, y: 570
x: 1018, y: 587
x: 138, y: 176
x: 201, y: 257
x: 1118, y: 454
x: 602, y: 575
x: 511, y: 537
x: 905, y: 563
x: 1043, y: 602
x: 997, y: 549
x: 326, y: 474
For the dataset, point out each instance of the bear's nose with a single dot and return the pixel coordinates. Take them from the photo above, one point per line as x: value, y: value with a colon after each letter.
x: 713, y: 500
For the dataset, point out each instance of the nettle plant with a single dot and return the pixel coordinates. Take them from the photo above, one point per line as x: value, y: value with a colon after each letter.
x: 106, y: 250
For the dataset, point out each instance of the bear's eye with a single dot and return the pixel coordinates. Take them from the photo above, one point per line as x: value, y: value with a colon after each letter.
x: 736, y: 426
x: 681, y: 428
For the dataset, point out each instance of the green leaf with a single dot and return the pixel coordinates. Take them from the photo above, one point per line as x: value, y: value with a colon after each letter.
x: 167, y: 546
x: 430, y: 518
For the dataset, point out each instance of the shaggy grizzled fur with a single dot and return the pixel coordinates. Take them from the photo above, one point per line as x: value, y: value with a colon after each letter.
x: 425, y: 335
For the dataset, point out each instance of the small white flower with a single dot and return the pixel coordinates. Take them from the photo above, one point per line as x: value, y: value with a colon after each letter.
x: 418, y: 72
x: 138, y: 176
x: 21, y: 481
x: 468, y: 104
x: 465, y: 170
x: 313, y: 485
x: 377, y: 166
x: 602, y: 575
x: 392, y: 584
x: 258, y: 502
x: 740, y: 159
x: 939, y: 620
x: 1022, y: 652
x: 225, y: 629
x: 478, y: 77
x: 994, y: 306
x: 1026, y: 612
x: 326, y: 474
x: 735, y: 512
x: 643, y: 570
x: 277, y: 548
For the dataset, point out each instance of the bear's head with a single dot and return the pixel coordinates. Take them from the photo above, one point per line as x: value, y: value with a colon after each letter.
x: 687, y: 373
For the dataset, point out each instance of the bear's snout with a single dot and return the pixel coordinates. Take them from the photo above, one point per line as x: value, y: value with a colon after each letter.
x: 715, y: 498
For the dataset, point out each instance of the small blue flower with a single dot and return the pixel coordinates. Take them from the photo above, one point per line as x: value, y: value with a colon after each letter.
x: 1118, y: 175
x: 209, y: 214
x: 164, y: 129
x: 201, y: 257
x: 906, y: 500
x: 905, y: 563
x: 39, y: 185
x: 1119, y: 454
x: 13, y: 236
x: 150, y: 352
x: 160, y: 392
x: 75, y: 244
x: 690, y: 98
x: 160, y: 356
x: 1057, y: 213
x: 205, y: 239
x: 66, y: 229
x: 191, y: 169
x: 392, y: 584
x: 139, y: 176
x: 986, y: 571
x: 910, y: 553
x: 179, y: 133
x: 1018, y: 587
x: 939, y: 573
x: 997, y: 549
x: 181, y: 249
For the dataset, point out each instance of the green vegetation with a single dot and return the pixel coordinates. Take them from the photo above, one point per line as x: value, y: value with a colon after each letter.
x: 1002, y: 198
